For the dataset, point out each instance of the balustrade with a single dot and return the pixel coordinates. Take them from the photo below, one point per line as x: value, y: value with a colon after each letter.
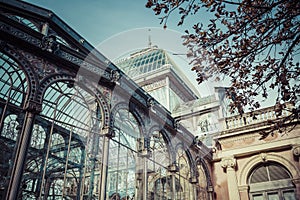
x: 256, y: 117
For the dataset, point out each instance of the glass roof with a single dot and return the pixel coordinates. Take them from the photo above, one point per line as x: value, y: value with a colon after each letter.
x: 144, y: 61
x: 152, y: 59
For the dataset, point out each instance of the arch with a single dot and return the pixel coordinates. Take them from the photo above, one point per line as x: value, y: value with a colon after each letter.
x: 105, y: 108
x: 242, y: 179
x: 164, y: 134
x: 138, y: 118
x: 24, y: 64
x: 74, y: 113
x: 185, y: 172
x: 200, y: 161
x: 192, y: 164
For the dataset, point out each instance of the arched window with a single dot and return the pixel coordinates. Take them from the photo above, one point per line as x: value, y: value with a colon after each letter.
x: 13, y: 91
x: 184, y: 175
x: 202, y: 183
x: 65, y: 145
x: 13, y: 84
x: 271, y: 181
x: 159, y: 179
x: 123, y: 166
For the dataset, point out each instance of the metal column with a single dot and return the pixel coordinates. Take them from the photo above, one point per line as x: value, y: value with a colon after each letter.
x: 21, y: 151
x: 107, y: 132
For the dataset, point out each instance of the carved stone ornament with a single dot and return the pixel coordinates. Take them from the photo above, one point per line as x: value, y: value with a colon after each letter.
x: 50, y: 44
x: 296, y: 150
x: 228, y: 162
x: 263, y: 157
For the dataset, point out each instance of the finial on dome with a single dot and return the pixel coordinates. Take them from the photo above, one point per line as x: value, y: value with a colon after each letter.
x: 149, y: 39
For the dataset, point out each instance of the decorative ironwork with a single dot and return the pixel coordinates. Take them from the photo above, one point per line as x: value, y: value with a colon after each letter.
x: 19, y: 34
x: 50, y: 44
x: 150, y: 102
x: 115, y: 76
x: 60, y: 139
x: 34, y: 107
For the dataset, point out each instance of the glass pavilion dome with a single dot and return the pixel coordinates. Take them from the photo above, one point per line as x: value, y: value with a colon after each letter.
x: 145, y: 61
x: 156, y: 72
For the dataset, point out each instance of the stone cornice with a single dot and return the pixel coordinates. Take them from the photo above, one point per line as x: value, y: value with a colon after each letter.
x: 254, y: 149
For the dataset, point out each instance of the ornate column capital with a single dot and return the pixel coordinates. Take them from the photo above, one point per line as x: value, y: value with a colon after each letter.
x: 296, y: 150
x: 210, y: 189
x: 33, y: 106
x: 228, y: 162
x: 173, y: 168
x: 108, y: 132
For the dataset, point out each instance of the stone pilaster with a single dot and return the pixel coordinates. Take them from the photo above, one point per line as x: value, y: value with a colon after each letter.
x: 296, y: 153
x: 229, y: 164
x: 243, y: 189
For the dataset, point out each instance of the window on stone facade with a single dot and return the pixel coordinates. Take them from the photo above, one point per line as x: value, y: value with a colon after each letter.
x: 271, y: 181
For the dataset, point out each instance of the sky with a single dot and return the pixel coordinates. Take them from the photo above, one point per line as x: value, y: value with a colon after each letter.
x: 116, y: 28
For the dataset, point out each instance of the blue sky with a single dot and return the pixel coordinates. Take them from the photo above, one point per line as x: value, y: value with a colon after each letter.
x: 116, y: 28
x: 97, y: 20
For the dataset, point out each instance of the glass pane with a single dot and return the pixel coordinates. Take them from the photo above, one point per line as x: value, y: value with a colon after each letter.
x: 258, y: 197
x: 273, y: 196
x: 289, y: 195
x: 65, y: 149
x: 259, y: 175
x: 277, y: 173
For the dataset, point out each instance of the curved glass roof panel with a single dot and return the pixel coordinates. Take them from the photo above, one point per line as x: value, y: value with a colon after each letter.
x: 144, y: 61
x: 72, y: 108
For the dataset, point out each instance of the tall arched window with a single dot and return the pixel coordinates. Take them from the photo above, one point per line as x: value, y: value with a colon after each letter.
x: 271, y: 180
x: 159, y: 179
x: 202, y: 183
x: 13, y: 91
x: 184, y: 174
x: 123, y: 166
x: 64, y: 157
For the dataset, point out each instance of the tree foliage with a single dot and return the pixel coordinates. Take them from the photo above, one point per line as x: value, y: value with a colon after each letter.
x: 253, y: 43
